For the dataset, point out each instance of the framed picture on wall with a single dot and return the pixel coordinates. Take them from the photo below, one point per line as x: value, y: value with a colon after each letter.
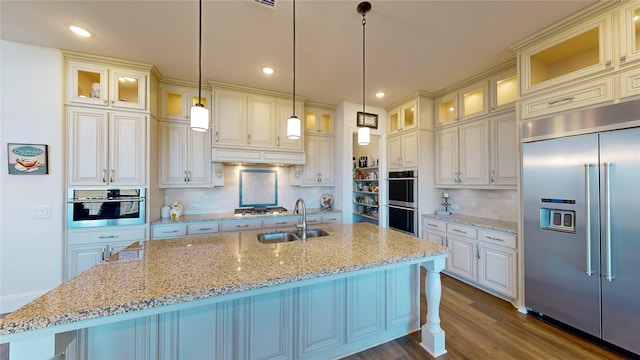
x: 367, y: 119
x: 27, y: 159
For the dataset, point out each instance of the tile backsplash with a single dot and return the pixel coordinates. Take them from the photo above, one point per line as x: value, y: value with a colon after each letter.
x: 226, y: 198
x: 492, y: 204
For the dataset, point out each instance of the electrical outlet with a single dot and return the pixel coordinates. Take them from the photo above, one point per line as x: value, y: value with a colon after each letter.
x: 455, y: 207
x: 195, y: 206
x: 42, y: 211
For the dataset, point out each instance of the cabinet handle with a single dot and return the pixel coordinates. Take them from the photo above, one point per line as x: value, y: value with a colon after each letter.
x: 189, y: 175
x: 205, y: 229
x: 551, y: 103
x: 110, y: 251
x: 608, y: 63
x: 249, y: 138
x: 460, y: 231
x: 432, y: 225
x: 104, y: 101
x: 492, y: 177
x: 242, y: 226
x: 478, y: 251
x: 169, y: 231
x: 102, y: 253
x: 623, y: 59
x: 104, y: 175
x: 185, y: 176
x: 278, y: 140
x: 281, y: 223
x: 494, y: 238
x: 108, y: 236
x: 111, y: 175
x: 217, y: 134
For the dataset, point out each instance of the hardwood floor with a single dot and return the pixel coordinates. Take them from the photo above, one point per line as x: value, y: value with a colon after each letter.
x: 482, y: 326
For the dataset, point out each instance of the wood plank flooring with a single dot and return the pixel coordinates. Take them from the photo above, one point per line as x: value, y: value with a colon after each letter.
x: 482, y: 326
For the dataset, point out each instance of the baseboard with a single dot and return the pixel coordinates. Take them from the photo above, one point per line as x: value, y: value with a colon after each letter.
x: 13, y: 302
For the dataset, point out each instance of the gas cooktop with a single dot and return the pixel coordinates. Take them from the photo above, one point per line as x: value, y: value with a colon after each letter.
x: 260, y: 210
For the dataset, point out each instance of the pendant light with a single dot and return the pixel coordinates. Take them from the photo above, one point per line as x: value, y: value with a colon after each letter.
x: 364, y: 133
x: 199, y: 113
x: 294, y: 125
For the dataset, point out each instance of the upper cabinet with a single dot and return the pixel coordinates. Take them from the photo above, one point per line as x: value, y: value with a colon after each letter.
x: 582, y: 50
x: 176, y: 101
x: 318, y: 119
x: 503, y: 89
x: 467, y: 103
x: 629, y: 16
x: 403, y: 118
x: 98, y: 84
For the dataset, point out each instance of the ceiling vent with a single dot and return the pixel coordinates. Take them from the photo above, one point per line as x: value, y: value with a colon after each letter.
x: 267, y: 3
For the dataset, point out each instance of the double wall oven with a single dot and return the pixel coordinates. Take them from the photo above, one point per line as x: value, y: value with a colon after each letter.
x: 105, y: 207
x: 403, y: 201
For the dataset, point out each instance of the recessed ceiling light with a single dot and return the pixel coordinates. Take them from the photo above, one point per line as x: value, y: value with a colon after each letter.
x: 380, y: 94
x: 267, y: 70
x: 79, y: 31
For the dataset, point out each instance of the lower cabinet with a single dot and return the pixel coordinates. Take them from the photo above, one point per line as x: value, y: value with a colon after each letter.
x: 328, y: 319
x: 481, y: 257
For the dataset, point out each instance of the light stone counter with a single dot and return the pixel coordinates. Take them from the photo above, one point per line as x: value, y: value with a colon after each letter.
x: 231, y: 216
x: 493, y: 224
x: 159, y: 273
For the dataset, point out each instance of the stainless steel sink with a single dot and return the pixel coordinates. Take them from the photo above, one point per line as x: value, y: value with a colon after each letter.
x: 280, y: 236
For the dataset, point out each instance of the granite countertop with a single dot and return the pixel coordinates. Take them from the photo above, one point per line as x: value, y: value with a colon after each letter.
x: 154, y: 273
x: 231, y: 216
x: 492, y: 224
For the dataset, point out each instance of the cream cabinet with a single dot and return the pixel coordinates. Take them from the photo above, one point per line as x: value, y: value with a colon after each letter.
x: 252, y: 121
x: 404, y: 118
x: 503, y: 150
x: 319, y: 168
x: 185, y: 157
x: 176, y: 101
x: 462, y: 155
x: 503, y: 90
x: 402, y: 151
x: 467, y: 103
x: 90, y: 82
x: 629, y: 82
x: 106, y: 147
x: 319, y: 119
x: 629, y: 28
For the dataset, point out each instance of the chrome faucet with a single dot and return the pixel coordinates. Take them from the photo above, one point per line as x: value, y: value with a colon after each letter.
x: 303, y: 226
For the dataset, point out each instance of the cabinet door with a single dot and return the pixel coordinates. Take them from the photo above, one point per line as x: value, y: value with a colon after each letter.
x: 129, y: 339
x: 270, y: 329
x: 474, y: 154
x: 317, y: 120
x: 497, y: 269
x: 326, y: 160
x: 230, y: 119
x: 173, y: 153
x: 83, y: 257
x: 87, y: 146
x: 504, y: 90
x: 446, y: 109
x: 394, y: 152
x: 409, y: 116
x: 462, y: 260
x: 403, y: 301
x: 434, y: 237
x: 474, y: 100
x: 127, y: 149
x: 629, y: 33
x: 262, y: 124
x: 394, y: 121
x: 365, y: 305
x: 409, y: 150
x: 320, y: 320
x: 199, y: 158
x: 447, y: 157
x: 173, y: 103
x: 504, y: 149
x: 127, y: 89
x: 87, y: 83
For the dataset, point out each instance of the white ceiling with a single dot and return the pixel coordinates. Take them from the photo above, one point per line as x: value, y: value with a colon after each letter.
x: 410, y: 45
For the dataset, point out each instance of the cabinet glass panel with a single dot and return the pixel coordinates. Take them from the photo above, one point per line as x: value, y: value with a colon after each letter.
x: 194, y: 100
x: 507, y: 90
x: 394, y: 123
x: 86, y: 87
x: 128, y: 89
x: 325, y: 125
x: 310, y: 121
x: 573, y: 54
x: 474, y: 102
x: 174, y: 103
x: 409, y: 118
x: 636, y: 21
x: 446, y: 111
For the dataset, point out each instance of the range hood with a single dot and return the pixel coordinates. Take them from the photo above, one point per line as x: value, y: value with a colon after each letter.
x: 245, y: 156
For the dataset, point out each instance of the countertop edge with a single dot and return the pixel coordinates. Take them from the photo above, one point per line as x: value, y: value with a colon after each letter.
x: 492, y: 224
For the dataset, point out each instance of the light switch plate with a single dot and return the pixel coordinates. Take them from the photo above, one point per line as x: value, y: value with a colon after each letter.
x: 42, y: 211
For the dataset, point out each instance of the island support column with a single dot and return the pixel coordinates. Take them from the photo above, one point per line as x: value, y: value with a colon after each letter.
x: 432, y: 334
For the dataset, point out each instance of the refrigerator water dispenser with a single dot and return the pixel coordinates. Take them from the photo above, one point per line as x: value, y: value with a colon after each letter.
x: 558, y: 220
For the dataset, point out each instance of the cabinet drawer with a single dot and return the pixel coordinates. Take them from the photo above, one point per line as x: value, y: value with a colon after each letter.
x: 331, y: 219
x: 498, y: 238
x: 461, y: 230
x: 630, y: 83
x: 105, y: 235
x: 203, y: 228
x: 433, y: 224
x: 573, y: 97
x: 279, y: 222
x: 241, y: 225
x: 314, y: 220
x: 167, y: 231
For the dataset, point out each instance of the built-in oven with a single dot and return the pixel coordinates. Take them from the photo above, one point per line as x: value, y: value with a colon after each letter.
x: 105, y: 207
x: 403, y: 201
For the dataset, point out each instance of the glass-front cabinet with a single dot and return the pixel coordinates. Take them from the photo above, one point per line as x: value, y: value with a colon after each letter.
x: 447, y: 109
x: 319, y: 120
x: 403, y: 118
x: 504, y: 89
x: 105, y: 86
x: 474, y: 100
x: 177, y: 101
x: 569, y: 55
x: 629, y: 33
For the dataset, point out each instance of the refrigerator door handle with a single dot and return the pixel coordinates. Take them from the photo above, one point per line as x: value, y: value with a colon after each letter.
x: 607, y: 219
x: 587, y: 201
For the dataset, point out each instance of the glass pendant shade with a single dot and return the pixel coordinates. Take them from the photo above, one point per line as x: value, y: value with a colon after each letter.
x: 364, y: 135
x: 294, y: 126
x: 199, y: 118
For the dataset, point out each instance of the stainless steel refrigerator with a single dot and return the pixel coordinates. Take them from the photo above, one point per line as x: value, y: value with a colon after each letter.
x: 581, y: 231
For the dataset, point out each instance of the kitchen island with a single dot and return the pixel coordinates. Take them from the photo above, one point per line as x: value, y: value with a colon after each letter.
x: 229, y: 296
